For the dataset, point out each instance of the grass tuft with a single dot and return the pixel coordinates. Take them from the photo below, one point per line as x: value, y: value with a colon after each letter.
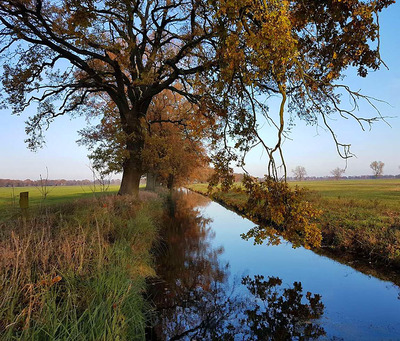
x: 77, y: 271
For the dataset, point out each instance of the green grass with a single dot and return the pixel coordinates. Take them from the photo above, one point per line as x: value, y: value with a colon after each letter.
x: 57, y: 194
x: 386, y: 191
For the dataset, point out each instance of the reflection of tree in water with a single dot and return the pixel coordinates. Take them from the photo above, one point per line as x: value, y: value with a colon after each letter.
x: 188, y: 269
x: 193, y: 298
x: 281, y: 314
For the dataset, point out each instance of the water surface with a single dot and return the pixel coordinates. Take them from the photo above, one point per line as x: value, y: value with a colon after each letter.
x: 213, y: 285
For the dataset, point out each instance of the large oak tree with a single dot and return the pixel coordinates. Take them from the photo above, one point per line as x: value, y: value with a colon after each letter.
x: 125, y: 51
x: 226, y: 56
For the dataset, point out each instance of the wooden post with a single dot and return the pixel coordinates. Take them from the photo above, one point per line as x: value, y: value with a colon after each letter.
x: 24, y: 203
x: 24, y: 200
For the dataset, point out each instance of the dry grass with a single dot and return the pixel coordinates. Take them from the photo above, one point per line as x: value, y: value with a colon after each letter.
x: 77, y: 271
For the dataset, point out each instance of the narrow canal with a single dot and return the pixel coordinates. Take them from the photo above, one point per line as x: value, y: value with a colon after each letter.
x: 213, y: 285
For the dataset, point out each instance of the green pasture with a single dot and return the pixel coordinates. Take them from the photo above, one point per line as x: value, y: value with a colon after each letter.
x: 385, y: 191
x: 9, y: 197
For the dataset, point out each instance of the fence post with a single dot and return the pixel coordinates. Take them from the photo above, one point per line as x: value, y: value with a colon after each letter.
x: 24, y: 203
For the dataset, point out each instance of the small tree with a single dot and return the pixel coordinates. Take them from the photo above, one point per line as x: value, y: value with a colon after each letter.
x: 43, y: 185
x: 299, y: 173
x: 337, y: 173
x: 377, y: 168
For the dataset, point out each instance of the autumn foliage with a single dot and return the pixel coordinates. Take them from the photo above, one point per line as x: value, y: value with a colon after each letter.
x: 173, y: 149
x: 282, y: 209
x: 278, y: 209
x: 225, y: 57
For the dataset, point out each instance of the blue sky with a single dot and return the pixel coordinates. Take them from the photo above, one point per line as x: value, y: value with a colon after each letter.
x: 310, y: 146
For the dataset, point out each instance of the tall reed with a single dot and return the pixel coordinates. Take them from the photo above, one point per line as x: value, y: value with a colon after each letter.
x: 77, y: 271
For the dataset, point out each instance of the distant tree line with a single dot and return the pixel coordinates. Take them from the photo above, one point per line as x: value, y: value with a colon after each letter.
x: 57, y: 182
x: 350, y: 177
x: 300, y: 173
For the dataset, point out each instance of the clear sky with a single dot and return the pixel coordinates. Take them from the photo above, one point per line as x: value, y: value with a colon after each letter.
x: 310, y: 146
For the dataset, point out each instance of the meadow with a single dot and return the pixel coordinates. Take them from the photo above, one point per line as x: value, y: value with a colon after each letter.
x: 9, y: 196
x: 360, y: 218
x: 75, y: 268
x: 387, y: 192
x: 56, y: 195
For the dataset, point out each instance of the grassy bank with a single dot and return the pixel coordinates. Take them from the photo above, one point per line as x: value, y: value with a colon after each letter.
x: 77, y: 271
x: 360, y: 218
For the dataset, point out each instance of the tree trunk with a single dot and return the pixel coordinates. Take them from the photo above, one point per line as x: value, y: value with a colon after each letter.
x: 133, y: 126
x: 151, y: 182
x: 170, y: 182
x: 130, y: 179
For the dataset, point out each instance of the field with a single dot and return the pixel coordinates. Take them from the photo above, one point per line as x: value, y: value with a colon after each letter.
x: 360, y: 218
x: 387, y: 192
x: 56, y: 194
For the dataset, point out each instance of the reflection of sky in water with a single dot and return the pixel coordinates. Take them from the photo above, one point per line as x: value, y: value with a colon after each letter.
x: 357, y: 307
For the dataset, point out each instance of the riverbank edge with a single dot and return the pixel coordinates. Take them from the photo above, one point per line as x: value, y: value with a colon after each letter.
x: 78, y: 270
x: 376, y: 267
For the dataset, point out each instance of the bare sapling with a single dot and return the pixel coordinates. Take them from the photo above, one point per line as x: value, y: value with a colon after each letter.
x: 100, y: 178
x: 43, y: 185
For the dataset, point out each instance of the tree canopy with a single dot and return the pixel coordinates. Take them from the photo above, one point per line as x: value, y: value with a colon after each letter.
x: 174, y: 150
x: 125, y: 52
x: 227, y: 57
